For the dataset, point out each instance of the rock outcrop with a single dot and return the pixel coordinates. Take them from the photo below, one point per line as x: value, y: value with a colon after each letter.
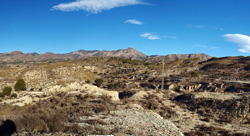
x: 86, y: 88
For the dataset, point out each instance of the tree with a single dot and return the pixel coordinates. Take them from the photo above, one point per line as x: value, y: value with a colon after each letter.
x: 20, y: 85
x: 7, y: 90
x: 98, y: 82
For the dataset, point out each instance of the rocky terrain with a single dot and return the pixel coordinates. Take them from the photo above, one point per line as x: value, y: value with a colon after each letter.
x: 120, y: 96
x: 173, y: 57
x: 127, y: 53
x: 130, y: 53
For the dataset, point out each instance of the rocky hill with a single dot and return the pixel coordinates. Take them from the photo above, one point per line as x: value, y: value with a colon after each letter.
x: 173, y: 57
x: 18, y: 56
x: 127, y: 53
x: 130, y: 53
x: 185, y: 56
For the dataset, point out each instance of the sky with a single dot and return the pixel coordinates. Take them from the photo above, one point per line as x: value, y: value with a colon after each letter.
x: 155, y: 27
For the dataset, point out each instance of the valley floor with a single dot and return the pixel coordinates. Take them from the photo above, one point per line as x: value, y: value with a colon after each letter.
x: 101, y: 96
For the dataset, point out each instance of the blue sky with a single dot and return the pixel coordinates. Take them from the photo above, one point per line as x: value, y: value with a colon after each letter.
x: 154, y: 27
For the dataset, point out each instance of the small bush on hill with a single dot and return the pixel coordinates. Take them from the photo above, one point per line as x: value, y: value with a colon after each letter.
x: 110, y: 86
x: 115, y: 85
x: 7, y: 90
x: 14, y: 95
x: 194, y: 74
x: 20, y: 85
x: 1, y: 95
x: 88, y: 81
x: 98, y: 82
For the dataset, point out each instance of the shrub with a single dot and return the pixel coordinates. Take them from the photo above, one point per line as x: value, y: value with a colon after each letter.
x: 14, y: 95
x: 195, y: 74
x: 88, y: 81
x: 125, y: 94
x: 110, y: 86
x: 7, y: 90
x: 115, y: 85
x: 20, y: 85
x: 1, y: 95
x: 207, y: 119
x: 98, y: 82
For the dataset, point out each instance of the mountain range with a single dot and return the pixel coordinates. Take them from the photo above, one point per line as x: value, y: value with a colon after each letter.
x: 18, y: 56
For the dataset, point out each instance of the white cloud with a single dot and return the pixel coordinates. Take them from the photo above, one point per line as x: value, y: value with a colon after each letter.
x: 95, y: 6
x: 150, y: 36
x: 243, y: 41
x: 133, y: 21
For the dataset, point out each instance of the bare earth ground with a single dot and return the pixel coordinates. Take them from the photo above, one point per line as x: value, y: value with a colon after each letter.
x: 199, y: 98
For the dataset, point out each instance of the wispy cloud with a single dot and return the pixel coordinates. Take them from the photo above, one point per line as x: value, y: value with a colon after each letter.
x: 150, y: 36
x: 133, y: 21
x: 243, y: 41
x: 207, y: 47
x: 196, y: 26
x: 96, y: 6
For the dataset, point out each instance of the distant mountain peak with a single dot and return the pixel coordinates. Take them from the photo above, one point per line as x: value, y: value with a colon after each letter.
x: 123, y: 53
x: 129, y: 48
x: 16, y: 52
x: 49, y: 53
x: 130, y: 53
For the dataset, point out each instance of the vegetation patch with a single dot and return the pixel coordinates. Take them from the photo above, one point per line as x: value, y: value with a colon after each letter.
x: 153, y: 102
x: 7, y: 90
x: 20, y: 85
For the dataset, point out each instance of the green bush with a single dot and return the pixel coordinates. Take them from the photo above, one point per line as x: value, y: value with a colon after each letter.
x: 110, y: 86
x: 195, y: 74
x: 20, y: 85
x: 115, y: 85
x: 98, y: 82
x: 88, y: 81
x: 1, y: 95
x: 14, y: 95
x: 7, y: 90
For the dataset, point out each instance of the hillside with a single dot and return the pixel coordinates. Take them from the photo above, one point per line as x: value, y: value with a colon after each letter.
x: 129, y: 53
x: 200, y: 97
x: 173, y: 57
